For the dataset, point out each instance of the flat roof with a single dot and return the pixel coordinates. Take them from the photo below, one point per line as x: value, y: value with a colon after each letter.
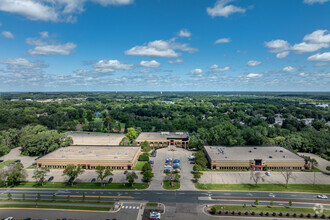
x: 162, y: 135
x: 91, y: 138
x: 245, y: 153
x: 87, y: 153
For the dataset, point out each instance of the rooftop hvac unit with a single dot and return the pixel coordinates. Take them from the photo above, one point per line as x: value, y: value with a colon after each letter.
x: 284, y: 156
x: 63, y: 156
x: 97, y: 155
x: 119, y: 153
x: 165, y: 133
x: 115, y: 157
x: 126, y: 153
x: 179, y: 133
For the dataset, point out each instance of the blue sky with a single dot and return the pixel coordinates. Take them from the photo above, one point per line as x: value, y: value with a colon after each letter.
x: 164, y: 45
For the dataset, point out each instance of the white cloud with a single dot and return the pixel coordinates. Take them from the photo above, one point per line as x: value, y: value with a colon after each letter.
x: 253, y: 75
x: 176, y: 61
x: 254, y: 63
x: 277, y: 46
x: 197, y: 72
x: 315, y: 1
x: 282, y: 54
x: 52, y: 10
x: 105, y: 66
x: 307, y: 47
x: 289, y: 69
x: 7, y: 34
x: 320, y: 57
x: 45, y: 48
x: 215, y: 68
x: 318, y: 36
x: 222, y: 40
x: 21, y: 62
x: 152, y: 63
x: 184, y: 33
x: 221, y: 8
x: 160, y: 48
x: 303, y: 74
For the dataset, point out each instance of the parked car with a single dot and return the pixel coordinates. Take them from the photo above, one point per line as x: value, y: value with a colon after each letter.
x: 176, y: 161
x: 191, y: 157
x: 192, y: 162
x: 151, y: 162
x: 176, y: 166
x: 125, y: 172
x: 9, y: 218
x: 50, y: 179
x: 17, y: 161
x: 167, y: 171
x: 322, y: 197
x: 110, y: 180
x: 268, y: 173
x: 93, y: 180
x: 167, y: 166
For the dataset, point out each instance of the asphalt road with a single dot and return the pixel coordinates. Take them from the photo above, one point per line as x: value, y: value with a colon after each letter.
x: 197, y: 197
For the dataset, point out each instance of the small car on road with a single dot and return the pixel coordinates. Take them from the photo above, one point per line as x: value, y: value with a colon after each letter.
x: 322, y: 197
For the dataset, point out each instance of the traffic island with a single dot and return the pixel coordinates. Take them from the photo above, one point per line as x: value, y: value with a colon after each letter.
x: 171, y: 185
x: 153, y: 210
x: 264, y: 211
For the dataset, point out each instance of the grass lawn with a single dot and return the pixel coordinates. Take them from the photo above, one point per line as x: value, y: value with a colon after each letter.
x: 63, y: 200
x: 318, y: 188
x: 139, y: 165
x: 64, y: 185
x: 266, y: 209
x: 54, y: 207
x: 166, y: 185
x: 5, y: 163
x: 152, y: 204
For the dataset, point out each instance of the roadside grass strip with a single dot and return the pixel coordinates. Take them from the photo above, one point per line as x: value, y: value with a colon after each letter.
x: 269, y: 209
x: 64, y: 185
x: 152, y: 204
x: 58, y: 201
x: 317, y: 188
x: 139, y: 165
x: 166, y: 185
x: 68, y: 207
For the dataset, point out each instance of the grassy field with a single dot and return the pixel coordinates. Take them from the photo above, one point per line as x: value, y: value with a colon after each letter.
x: 166, y: 185
x: 5, y: 163
x: 318, y: 188
x: 152, y: 204
x: 54, y: 207
x: 139, y: 165
x: 63, y: 185
x: 63, y: 200
x: 266, y: 209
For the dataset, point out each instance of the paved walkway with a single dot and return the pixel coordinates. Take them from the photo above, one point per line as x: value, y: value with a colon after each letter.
x: 322, y: 163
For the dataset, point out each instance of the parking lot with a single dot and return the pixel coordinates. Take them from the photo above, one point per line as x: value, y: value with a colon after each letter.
x: 87, y: 176
x: 159, y: 162
x: 216, y: 177
x: 15, y: 154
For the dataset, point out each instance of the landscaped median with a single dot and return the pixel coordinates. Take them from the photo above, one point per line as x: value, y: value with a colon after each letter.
x: 267, y: 211
x: 167, y: 185
x: 64, y: 185
x: 317, y: 188
x: 69, y: 207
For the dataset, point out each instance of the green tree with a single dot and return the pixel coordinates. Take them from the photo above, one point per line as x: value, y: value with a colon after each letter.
x: 131, y: 134
x: 23, y: 196
x: 83, y: 196
x: 148, y: 175
x: 9, y: 196
x: 131, y: 177
x: 68, y: 197
x: 40, y: 173
x: 54, y: 196
x: 146, y: 167
x: 197, y: 167
x: 16, y: 174
x: 201, y: 159
x: 145, y: 146
x: 38, y: 196
x: 72, y: 172
x: 102, y: 173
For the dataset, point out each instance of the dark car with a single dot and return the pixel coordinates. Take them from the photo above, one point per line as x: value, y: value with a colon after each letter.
x: 176, y: 161
x: 125, y: 172
x: 167, y: 171
x: 110, y: 180
x: 50, y: 179
x: 150, y: 161
x: 192, y: 162
x: 17, y: 161
x: 93, y: 180
x: 28, y: 218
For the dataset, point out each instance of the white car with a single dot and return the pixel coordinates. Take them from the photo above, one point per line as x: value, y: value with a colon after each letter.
x: 268, y: 173
x: 9, y: 218
x: 167, y: 166
x: 322, y: 197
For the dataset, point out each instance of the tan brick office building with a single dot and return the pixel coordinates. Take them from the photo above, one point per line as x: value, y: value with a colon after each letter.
x: 164, y: 139
x: 259, y: 157
x: 89, y: 157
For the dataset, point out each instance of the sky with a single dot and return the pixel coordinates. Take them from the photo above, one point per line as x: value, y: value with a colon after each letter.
x: 164, y: 45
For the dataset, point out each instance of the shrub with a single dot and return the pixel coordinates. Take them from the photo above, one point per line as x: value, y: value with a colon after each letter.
x: 253, y: 213
x: 213, y: 210
x: 261, y: 214
x: 143, y: 157
x: 220, y: 212
x: 226, y: 212
x: 294, y: 215
x: 274, y: 214
x: 233, y: 213
x: 301, y: 215
x: 271, y: 203
x: 308, y: 215
x: 316, y: 216
x: 267, y: 214
x: 256, y: 202
x: 281, y: 214
x: 239, y: 213
x: 323, y: 216
x: 246, y: 213
x: 287, y: 214
x: 290, y: 203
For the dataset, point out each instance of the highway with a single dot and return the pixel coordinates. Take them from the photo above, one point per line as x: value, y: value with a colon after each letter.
x: 196, y: 197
